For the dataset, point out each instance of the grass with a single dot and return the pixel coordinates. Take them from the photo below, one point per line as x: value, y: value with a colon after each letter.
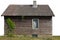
x: 28, y: 38
x: 18, y: 38
x: 56, y: 37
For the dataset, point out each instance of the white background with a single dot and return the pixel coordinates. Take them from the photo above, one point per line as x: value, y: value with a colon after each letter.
x: 54, y: 5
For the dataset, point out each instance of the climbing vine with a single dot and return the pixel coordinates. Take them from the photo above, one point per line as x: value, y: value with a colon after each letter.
x: 11, y: 26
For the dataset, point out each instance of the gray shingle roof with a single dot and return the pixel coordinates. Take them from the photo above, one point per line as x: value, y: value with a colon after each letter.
x: 28, y: 10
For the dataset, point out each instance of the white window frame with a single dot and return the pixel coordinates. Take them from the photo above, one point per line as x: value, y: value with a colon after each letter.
x: 32, y: 23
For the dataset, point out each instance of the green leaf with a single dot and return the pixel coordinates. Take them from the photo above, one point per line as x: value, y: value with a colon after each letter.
x: 10, y: 23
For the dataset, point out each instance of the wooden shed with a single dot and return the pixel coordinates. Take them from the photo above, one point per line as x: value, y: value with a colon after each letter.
x: 37, y: 19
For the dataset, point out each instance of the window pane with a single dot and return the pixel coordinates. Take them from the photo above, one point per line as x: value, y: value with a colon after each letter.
x: 35, y: 23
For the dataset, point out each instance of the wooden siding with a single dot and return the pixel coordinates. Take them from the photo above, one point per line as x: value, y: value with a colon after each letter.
x: 24, y: 26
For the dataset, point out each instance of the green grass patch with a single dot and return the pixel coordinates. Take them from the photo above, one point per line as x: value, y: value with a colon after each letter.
x: 22, y: 37
x: 56, y: 37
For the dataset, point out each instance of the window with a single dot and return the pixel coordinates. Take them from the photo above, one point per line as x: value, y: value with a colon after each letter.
x: 34, y: 35
x: 35, y: 23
